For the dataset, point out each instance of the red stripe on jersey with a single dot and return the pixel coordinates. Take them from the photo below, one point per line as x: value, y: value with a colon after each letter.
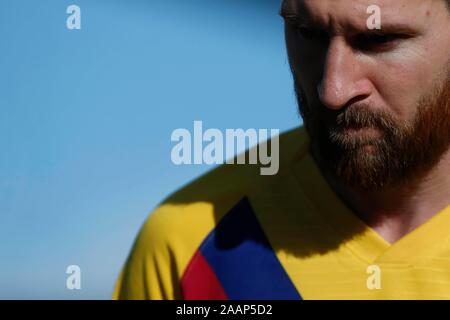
x: 199, y: 282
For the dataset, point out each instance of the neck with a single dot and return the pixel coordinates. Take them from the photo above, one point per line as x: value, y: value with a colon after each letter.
x: 397, y: 210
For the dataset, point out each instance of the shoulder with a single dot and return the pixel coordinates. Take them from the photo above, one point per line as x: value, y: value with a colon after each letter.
x: 197, y: 207
x: 176, y: 228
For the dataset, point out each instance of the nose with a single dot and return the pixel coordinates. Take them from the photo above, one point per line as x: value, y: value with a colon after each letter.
x: 343, y: 79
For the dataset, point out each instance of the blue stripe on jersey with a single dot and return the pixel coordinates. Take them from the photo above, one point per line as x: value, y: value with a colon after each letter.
x: 243, y: 260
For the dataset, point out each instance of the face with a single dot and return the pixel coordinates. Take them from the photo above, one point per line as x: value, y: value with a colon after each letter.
x: 375, y: 102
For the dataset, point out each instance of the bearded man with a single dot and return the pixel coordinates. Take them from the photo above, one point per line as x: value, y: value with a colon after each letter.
x: 360, y: 208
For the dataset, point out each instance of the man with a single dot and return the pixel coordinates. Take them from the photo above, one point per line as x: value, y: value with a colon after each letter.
x: 360, y: 208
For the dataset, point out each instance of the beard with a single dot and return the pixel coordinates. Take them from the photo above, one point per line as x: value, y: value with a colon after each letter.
x: 371, y: 149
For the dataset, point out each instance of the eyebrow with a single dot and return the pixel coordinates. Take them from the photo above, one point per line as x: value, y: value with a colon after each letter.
x: 395, y: 28
x: 399, y: 28
x: 288, y: 9
x: 291, y: 16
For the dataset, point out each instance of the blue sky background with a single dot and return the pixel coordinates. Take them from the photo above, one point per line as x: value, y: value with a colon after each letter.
x: 86, y: 118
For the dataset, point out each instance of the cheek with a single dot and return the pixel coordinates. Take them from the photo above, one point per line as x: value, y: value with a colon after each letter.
x: 401, y: 85
x: 307, y: 77
x: 305, y: 62
x: 402, y: 77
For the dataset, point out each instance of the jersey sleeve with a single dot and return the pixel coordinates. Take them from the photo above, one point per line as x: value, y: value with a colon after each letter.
x: 163, y: 249
x: 150, y: 272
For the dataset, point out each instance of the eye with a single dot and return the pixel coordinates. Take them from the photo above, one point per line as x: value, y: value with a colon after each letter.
x: 311, y: 33
x: 374, y: 41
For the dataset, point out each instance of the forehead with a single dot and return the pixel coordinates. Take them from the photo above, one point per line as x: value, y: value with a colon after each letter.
x: 354, y: 12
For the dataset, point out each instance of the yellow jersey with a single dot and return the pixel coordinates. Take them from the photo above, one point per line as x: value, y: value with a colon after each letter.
x: 235, y: 234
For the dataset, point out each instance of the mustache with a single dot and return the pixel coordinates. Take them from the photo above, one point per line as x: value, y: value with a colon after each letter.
x: 360, y: 116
